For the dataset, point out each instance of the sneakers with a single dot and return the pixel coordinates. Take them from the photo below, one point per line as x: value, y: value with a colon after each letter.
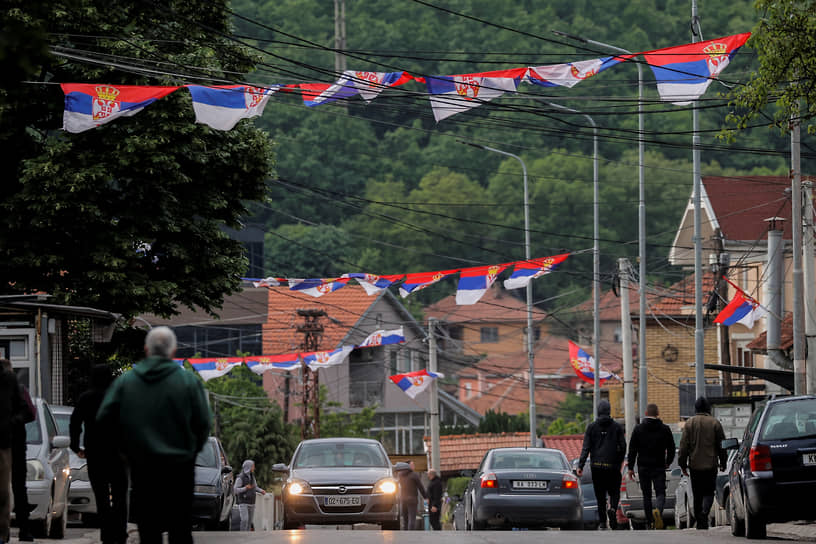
x: 657, y: 517
x: 602, y: 527
x: 613, y: 519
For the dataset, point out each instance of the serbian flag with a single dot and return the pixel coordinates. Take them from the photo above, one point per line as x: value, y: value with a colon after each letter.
x: 742, y: 309
x: 532, y: 269
x: 287, y: 361
x: 571, y: 73
x: 266, y: 282
x: 88, y: 105
x: 383, y: 338
x: 352, y: 83
x: 421, y: 280
x: 372, y: 283
x: 209, y: 368
x: 454, y: 94
x: 474, y: 282
x: 322, y: 359
x: 584, y: 365
x: 221, y: 107
x: 683, y: 73
x: 414, y: 383
x: 316, y: 287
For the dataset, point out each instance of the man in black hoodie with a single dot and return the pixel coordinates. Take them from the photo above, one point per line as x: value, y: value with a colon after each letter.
x: 652, y: 448
x: 605, y: 444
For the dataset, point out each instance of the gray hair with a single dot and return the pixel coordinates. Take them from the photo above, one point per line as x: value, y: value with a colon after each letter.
x: 161, y: 341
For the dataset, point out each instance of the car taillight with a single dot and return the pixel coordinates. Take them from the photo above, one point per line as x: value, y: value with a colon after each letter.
x: 760, y: 458
x: 569, y: 482
x: 489, y: 480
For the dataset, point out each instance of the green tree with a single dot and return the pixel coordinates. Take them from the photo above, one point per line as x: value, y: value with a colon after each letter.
x: 357, y: 425
x: 502, y: 422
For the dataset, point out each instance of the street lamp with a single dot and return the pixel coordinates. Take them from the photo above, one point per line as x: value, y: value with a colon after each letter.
x: 642, y: 377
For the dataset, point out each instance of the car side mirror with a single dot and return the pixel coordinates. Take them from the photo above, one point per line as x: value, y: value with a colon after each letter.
x: 60, y: 442
x: 467, y: 473
x: 729, y: 444
x: 280, y: 467
x: 226, y: 470
x: 676, y: 472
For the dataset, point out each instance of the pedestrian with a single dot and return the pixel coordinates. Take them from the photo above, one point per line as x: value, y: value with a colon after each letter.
x: 651, y: 449
x: 410, y: 485
x: 22, y: 508
x: 12, y: 413
x: 106, y: 470
x: 605, y: 445
x: 434, y: 500
x: 246, y: 488
x: 700, y: 453
x: 158, y: 415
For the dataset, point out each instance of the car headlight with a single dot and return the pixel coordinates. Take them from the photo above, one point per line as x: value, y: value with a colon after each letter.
x: 387, y: 486
x: 80, y: 474
x: 34, y: 470
x: 297, y: 487
x: 204, y: 489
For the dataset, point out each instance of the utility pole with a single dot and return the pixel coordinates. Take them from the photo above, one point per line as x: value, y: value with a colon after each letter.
x: 810, y: 290
x: 626, y: 332
x: 799, y: 378
x: 312, y: 331
x: 699, y: 333
x: 339, y: 36
x: 434, y: 396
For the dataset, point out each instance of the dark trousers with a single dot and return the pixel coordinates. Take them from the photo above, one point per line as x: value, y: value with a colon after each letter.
x: 109, y: 483
x: 652, y: 477
x: 433, y: 518
x: 606, y: 481
x: 408, y: 512
x: 162, y: 500
x: 703, y: 485
x: 18, y: 477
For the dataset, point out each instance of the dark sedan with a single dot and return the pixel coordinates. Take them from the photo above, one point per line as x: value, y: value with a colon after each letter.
x: 524, y: 487
x: 213, y: 494
x: 773, y: 475
x: 335, y: 481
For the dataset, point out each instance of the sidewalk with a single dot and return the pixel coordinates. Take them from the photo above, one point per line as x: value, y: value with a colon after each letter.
x: 797, y: 530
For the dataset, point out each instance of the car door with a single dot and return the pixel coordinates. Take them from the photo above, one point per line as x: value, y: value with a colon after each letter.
x: 741, y: 463
x: 58, y: 459
x: 227, y: 482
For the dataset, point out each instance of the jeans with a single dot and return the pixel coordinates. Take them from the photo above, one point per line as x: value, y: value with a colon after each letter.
x: 162, y: 500
x: 109, y: 483
x: 703, y: 485
x: 247, y: 512
x: 606, y: 481
x: 408, y: 512
x: 649, y: 477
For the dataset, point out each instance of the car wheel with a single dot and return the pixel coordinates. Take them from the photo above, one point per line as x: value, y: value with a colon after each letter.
x: 476, y: 525
x: 59, y: 523
x: 755, y: 527
x: 737, y: 525
x: 390, y: 525
x: 574, y: 526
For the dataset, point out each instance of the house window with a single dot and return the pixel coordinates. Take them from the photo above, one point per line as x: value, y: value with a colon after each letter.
x: 618, y: 335
x: 745, y: 357
x: 456, y: 332
x: 394, y: 362
x: 490, y: 334
x: 468, y: 391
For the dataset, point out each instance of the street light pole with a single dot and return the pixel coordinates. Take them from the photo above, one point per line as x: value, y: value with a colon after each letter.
x: 642, y: 369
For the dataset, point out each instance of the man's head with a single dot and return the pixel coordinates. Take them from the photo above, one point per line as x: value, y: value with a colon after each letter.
x: 411, y: 464
x: 651, y: 410
x: 431, y: 474
x: 604, y: 408
x: 101, y: 377
x: 161, y: 342
x: 701, y: 406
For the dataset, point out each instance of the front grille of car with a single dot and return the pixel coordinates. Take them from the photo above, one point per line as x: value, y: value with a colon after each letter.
x: 343, y: 509
x: 334, y: 489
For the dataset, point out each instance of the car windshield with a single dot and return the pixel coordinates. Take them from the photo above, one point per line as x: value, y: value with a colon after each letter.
x: 64, y: 426
x: 528, y: 459
x: 33, y: 432
x: 206, y: 457
x: 340, y: 454
x: 789, y: 420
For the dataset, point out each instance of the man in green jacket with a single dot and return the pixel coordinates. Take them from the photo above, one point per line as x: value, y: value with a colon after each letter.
x: 159, y: 417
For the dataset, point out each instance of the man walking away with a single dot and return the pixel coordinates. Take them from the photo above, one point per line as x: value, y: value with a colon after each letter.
x: 652, y: 448
x: 410, y: 485
x: 12, y: 412
x: 700, y: 451
x: 159, y: 415
x: 246, y: 488
x: 105, y: 468
x: 434, y: 500
x: 605, y: 445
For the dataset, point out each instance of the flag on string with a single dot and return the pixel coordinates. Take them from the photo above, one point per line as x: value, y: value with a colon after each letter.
x: 474, y: 282
x: 684, y: 72
x: 287, y: 361
x: 222, y: 106
x: 316, y: 287
x: 267, y: 282
x: 454, y: 94
x: 571, y: 73
x: 209, y: 368
x: 742, y: 309
x: 525, y: 271
x: 584, y: 365
x: 421, y: 280
x: 315, y: 94
x: 372, y: 283
x: 322, y: 359
x: 88, y: 105
x: 352, y: 83
x: 414, y: 383
x: 383, y: 338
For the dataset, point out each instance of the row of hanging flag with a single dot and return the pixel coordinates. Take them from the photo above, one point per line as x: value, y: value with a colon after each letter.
x: 473, y: 282
x: 683, y: 73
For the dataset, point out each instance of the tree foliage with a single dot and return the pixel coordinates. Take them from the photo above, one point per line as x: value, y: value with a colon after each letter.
x: 502, y: 422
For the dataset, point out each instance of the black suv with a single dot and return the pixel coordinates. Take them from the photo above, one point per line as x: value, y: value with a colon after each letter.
x: 773, y: 475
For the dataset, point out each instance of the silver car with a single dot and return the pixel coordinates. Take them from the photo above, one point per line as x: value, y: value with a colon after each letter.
x: 81, y: 501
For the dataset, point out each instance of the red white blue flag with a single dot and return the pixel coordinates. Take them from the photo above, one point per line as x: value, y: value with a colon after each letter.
x: 525, y: 271
x: 287, y: 361
x: 421, y: 280
x: 209, y: 368
x: 221, y: 107
x: 571, y: 73
x: 474, y: 282
x: 742, y: 309
x: 584, y: 365
x: 316, y: 287
x: 454, y: 94
x: 414, y: 383
x: 352, y: 83
x: 383, y: 338
x: 267, y: 282
x: 373, y: 283
x: 322, y: 359
x: 88, y: 105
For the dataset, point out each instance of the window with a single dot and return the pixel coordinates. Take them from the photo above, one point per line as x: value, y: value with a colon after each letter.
x: 468, y: 390
x: 490, y: 334
x: 394, y: 362
x: 456, y: 332
x: 745, y: 357
x: 618, y: 335
x: 218, y: 341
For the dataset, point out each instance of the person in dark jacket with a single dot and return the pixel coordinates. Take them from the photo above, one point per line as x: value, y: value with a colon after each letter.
x: 434, y: 500
x: 652, y: 448
x: 246, y: 488
x: 410, y: 485
x: 700, y: 452
x: 605, y: 445
x: 105, y: 468
x: 158, y: 415
x: 12, y: 412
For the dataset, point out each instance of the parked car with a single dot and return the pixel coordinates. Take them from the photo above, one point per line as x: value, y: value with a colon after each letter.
x: 773, y: 476
x: 632, y: 497
x: 213, y: 494
x: 340, y: 481
x: 48, y: 474
x: 524, y: 487
x: 458, y: 516
x: 81, y: 500
x: 684, y: 500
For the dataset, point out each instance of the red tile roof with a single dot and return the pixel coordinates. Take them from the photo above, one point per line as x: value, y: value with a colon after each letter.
x: 677, y: 300
x: 760, y: 343
x: 465, y: 451
x: 570, y: 444
x: 497, y: 304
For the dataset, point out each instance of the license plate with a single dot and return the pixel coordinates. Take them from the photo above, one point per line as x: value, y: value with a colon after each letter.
x: 809, y: 458
x: 530, y: 484
x: 351, y: 500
